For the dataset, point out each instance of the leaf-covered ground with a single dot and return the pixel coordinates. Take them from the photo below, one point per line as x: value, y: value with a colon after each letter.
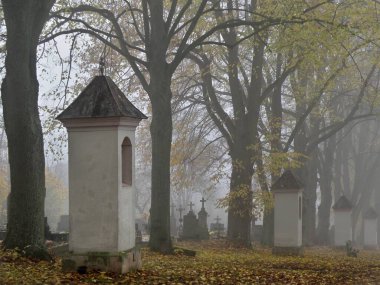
x: 214, y: 264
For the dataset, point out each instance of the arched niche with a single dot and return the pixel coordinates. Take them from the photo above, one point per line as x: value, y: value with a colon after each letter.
x: 126, y: 162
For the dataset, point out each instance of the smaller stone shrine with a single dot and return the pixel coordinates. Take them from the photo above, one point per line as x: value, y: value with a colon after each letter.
x: 370, y: 229
x: 190, y: 225
x: 287, y: 191
x: 63, y: 224
x: 202, y: 221
x: 101, y: 125
x: 343, y: 223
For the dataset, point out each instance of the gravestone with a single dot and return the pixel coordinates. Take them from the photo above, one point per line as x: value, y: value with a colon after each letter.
x: 257, y: 233
x: 217, y: 228
x: 190, y: 225
x: 47, y: 229
x: 101, y: 124
x: 202, y: 221
x: 173, y: 222
x: 370, y: 229
x: 287, y: 191
x: 343, y: 223
x: 180, y: 220
x: 63, y: 224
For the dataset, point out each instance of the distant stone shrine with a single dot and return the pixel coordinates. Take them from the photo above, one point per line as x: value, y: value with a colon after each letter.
x: 202, y: 221
x: 287, y: 191
x: 101, y: 126
x: 343, y: 223
x: 370, y: 229
x: 63, y: 224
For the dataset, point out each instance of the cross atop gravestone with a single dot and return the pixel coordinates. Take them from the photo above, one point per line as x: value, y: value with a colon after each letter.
x: 203, y: 202
x: 191, y: 206
x: 180, y: 210
x: 173, y: 209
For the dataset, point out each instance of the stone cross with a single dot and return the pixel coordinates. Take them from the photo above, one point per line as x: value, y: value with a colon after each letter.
x: 203, y: 202
x: 180, y: 210
x: 191, y: 206
x: 217, y: 219
x: 173, y: 208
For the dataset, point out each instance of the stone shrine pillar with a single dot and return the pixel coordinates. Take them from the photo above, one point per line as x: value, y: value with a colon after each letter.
x: 343, y: 223
x: 101, y: 124
x: 370, y: 229
x: 202, y: 221
x: 287, y: 191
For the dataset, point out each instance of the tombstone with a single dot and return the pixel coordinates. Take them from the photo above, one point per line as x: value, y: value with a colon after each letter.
x: 173, y: 222
x: 47, y: 231
x: 202, y: 221
x: 190, y: 225
x: 101, y: 126
x: 217, y: 227
x: 257, y: 233
x: 138, y: 234
x: 180, y: 220
x: 63, y: 224
x: 343, y: 223
x: 287, y: 191
x: 370, y: 229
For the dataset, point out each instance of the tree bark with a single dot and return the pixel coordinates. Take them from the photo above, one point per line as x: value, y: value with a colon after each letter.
x: 240, y: 200
x: 24, y: 22
x: 160, y: 95
x: 326, y: 163
x: 161, y: 133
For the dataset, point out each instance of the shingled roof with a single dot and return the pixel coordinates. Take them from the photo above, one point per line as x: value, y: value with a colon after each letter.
x: 370, y: 214
x: 101, y: 99
x: 287, y: 181
x: 342, y: 204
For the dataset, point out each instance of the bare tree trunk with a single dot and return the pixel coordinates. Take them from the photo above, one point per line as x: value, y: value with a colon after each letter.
x: 161, y: 132
x: 24, y: 21
x: 240, y: 202
x: 326, y: 176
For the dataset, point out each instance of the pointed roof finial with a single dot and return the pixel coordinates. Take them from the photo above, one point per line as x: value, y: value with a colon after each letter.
x: 102, y: 65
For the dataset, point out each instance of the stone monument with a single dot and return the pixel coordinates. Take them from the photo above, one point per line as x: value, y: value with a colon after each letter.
x: 217, y: 227
x: 101, y: 124
x: 180, y: 220
x: 287, y: 191
x: 190, y: 225
x: 343, y: 223
x: 370, y: 229
x: 202, y: 221
x: 63, y: 224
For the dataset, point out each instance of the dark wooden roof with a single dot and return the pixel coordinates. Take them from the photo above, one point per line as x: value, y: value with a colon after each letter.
x: 101, y: 99
x: 287, y: 181
x: 370, y: 214
x: 342, y: 204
